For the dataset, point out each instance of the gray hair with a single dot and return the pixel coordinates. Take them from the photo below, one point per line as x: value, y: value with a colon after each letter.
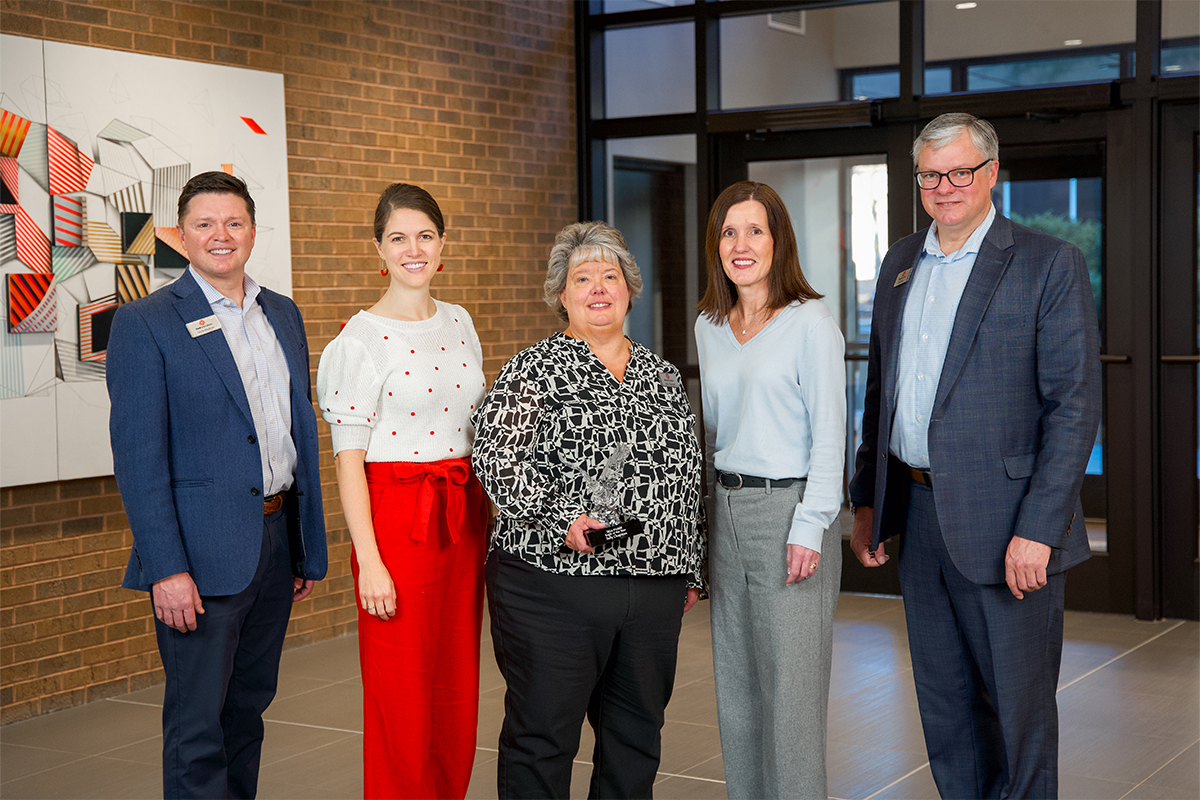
x: 579, y: 243
x: 948, y: 127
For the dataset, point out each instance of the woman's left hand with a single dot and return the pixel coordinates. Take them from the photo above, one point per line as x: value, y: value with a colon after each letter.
x: 693, y: 597
x: 577, y: 533
x: 801, y: 563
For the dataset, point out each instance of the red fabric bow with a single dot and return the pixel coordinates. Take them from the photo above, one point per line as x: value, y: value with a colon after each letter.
x: 453, y: 470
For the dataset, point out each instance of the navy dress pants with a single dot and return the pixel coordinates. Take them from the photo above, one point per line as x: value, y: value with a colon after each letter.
x: 986, y: 669
x: 222, y: 676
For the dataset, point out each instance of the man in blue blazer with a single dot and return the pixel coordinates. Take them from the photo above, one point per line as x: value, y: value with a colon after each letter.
x: 215, y: 452
x: 981, y: 409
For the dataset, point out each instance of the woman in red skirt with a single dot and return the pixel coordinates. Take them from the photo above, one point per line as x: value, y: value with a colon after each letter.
x: 398, y: 387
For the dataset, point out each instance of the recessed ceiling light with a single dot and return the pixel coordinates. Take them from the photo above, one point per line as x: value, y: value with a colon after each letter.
x: 1073, y: 42
x: 964, y: 6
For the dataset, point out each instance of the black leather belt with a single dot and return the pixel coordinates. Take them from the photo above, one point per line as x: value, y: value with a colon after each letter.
x: 272, y: 504
x: 734, y: 480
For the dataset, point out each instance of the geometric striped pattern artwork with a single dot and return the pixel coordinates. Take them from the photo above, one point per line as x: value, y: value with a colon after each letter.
x: 133, y: 226
x: 106, y: 244
x: 131, y: 198
x: 8, y: 237
x: 68, y: 367
x: 9, y: 175
x: 69, y: 168
x: 32, y: 305
x: 34, y: 158
x: 170, y: 236
x: 166, y: 256
x: 143, y: 243
x: 227, y: 169
x: 132, y: 282
x: 95, y: 323
x: 12, y: 133
x: 119, y: 164
x: 33, y: 248
x: 68, y: 262
x: 119, y: 131
x: 168, y: 184
x: 68, y: 221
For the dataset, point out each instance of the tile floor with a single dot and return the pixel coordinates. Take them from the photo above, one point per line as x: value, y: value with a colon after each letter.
x: 1129, y: 701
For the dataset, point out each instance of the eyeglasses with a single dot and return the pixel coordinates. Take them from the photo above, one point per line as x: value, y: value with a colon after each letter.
x: 962, y: 177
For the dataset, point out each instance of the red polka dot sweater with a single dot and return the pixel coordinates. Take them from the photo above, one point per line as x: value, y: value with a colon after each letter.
x: 403, y: 391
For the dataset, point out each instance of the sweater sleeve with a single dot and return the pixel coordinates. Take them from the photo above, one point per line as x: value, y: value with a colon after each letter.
x: 348, y: 386
x: 822, y: 374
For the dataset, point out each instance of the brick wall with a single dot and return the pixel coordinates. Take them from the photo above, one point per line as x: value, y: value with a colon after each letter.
x: 474, y: 100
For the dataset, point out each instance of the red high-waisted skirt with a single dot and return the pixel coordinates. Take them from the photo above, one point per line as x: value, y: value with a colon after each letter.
x: 420, y: 669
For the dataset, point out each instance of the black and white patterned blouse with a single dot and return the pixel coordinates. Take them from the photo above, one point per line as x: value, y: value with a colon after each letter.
x: 556, y: 412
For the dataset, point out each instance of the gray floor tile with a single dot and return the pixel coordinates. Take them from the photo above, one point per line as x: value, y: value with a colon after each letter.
x: 92, y: 777
x: 337, y: 705
x: 18, y: 761
x: 1181, y: 772
x: 1086, y: 787
x: 684, y: 746
x: 330, y: 660
x: 674, y: 788
x: 694, y: 702
x: 332, y: 771
x: 857, y: 772
x: 917, y: 785
x: 87, y: 730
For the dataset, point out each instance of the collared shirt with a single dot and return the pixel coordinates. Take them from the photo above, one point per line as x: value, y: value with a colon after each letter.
x: 929, y: 312
x: 265, y: 376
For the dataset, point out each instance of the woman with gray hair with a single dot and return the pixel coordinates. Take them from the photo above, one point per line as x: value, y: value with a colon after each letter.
x: 587, y: 446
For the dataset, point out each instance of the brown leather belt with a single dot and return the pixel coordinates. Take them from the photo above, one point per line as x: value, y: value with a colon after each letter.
x: 921, y: 476
x: 272, y: 504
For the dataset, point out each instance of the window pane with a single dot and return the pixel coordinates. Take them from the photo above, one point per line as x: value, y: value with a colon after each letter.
x: 652, y: 201
x: 650, y: 70
x: 1017, y: 29
x: 1180, y: 37
x: 616, y: 6
x: 795, y: 58
x: 872, y: 85
x: 1045, y: 71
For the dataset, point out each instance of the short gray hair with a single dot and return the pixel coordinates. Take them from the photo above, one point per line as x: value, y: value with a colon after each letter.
x: 579, y: 243
x: 948, y: 127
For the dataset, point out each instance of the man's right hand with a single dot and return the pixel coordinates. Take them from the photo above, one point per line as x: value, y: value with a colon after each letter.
x: 177, y: 602
x: 860, y: 539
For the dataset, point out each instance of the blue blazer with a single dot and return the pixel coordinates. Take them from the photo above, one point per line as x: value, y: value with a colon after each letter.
x: 1017, y: 404
x: 185, y: 452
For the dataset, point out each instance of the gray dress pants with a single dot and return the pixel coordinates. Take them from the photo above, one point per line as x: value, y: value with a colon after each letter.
x: 772, y: 645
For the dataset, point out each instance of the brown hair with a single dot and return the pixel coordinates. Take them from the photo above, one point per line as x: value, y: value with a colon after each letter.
x: 785, y: 280
x: 405, y: 195
x: 214, y: 182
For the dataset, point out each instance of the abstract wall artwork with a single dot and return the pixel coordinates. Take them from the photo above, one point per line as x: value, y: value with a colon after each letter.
x: 95, y: 146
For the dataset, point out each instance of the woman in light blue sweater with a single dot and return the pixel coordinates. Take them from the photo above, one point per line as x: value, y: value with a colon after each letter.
x: 774, y: 393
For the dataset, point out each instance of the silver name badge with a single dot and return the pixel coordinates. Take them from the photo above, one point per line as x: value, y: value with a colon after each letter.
x: 205, y: 325
x: 670, y: 380
x: 903, y: 277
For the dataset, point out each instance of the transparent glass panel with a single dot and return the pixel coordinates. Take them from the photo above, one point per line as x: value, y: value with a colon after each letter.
x: 652, y: 200
x: 1180, y: 37
x: 839, y: 213
x: 795, y: 58
x: 650, y: 70
x: 1062, y: 194
x: 1049, y: 32
x: 872, y: 85
x: 616, y: 6
x: 1044, y: 71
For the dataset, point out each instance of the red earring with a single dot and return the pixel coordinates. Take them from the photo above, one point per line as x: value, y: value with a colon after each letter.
x: 441, y: 267
x: 384, y: 272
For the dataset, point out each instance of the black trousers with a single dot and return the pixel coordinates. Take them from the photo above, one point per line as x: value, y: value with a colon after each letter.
x: 222, y: 676
x: 574, y: 646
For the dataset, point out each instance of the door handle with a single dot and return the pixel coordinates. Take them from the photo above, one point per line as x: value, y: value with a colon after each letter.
x: 1180, y: 359
x: 1106, y: 358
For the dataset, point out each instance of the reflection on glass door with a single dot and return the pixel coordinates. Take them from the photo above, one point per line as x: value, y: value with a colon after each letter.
x: 1059, y: 190
x: 839, y: 212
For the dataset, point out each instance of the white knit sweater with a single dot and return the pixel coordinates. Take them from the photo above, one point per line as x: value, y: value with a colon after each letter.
x: 403, y: 391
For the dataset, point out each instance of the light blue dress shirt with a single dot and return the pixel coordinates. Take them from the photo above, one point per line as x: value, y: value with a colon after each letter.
x: 265, y: 376
x: 929, y: 311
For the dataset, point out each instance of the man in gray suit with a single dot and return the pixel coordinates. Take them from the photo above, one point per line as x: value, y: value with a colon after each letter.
x: 982, y: 404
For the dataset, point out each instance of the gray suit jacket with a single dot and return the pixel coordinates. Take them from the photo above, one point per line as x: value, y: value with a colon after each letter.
x: 1017, y: 405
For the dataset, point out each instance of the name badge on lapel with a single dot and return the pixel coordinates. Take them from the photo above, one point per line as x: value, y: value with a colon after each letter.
x: 903, y: 277
x: 670, y: 380
x: 204, y: 325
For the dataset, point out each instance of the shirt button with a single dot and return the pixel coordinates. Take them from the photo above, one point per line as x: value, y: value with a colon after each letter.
x: 920, y: 376
x: 931, y: 298
x: 924, y: 335
x: 920, y: 418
